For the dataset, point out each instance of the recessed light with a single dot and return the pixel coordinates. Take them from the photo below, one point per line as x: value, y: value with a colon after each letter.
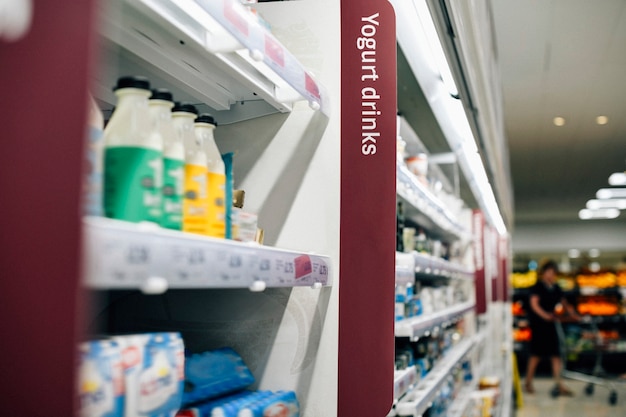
x: 618, y: 203
x: 594, y: 253
x: 587, y: 214
x: 617, y: 178
x: 573, y: 253
x: 607, y: 193
x: 558, y: 121
x: 602, y: 120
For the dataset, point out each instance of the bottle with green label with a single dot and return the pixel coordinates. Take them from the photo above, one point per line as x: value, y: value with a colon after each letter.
x: 161, y: 103
x: 216, y: 177
x: 133, y: 156
x: 195, y: 193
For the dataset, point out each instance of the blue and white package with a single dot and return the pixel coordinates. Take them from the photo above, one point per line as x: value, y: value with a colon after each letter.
x: 204, y: 409
x: 214, y: 373
x: 153, y: 373
x: 279, y: 404
x: 100, y: 380
x: 232, y: 408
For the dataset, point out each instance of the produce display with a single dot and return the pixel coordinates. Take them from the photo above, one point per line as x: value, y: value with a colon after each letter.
x: 523, y: 279
x: 597, y: 280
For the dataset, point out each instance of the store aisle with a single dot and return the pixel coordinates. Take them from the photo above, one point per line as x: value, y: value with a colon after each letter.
x: 541, y: 404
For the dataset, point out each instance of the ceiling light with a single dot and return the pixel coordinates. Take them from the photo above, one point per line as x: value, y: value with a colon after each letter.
x: 602, y: 120
x: 428, y: 26
x: 617, y: 178
x: 607, y: 193
x: 594, y: 253
x: 618, y: 203
x: 594, y: 266
x: 573, y: 253
x: 587, y: 214
x: 558, y: 121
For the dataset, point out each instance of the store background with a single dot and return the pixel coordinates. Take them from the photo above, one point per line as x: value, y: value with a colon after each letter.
x: 542, y: 213
x: 565, y: 59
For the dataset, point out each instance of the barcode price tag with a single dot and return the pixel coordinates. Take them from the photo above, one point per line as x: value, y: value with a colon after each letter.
x: 187, y: 264
x: 125, y: 262
x: 231, y: 268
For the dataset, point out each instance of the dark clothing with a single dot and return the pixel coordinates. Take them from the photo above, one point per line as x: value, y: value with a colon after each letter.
x: 544, y: 340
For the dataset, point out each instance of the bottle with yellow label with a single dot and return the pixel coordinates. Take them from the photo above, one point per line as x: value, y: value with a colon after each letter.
x: 161, y: 103
x: 195, y: 190
x: 133, y: 164
x: 216, y: 177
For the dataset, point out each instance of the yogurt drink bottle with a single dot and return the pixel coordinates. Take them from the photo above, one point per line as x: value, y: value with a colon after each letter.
x: 216, y: 178
x: 133, y: 156
x: 160, y: 104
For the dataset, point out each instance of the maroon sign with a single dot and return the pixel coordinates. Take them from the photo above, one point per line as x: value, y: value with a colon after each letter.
x: 368, y: 196
x: 478, y: 230
x: 43, y: 79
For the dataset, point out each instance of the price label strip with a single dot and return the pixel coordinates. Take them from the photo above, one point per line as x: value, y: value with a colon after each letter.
x: 246, y: 28
x: 127, y: 255
x: 118, y: 258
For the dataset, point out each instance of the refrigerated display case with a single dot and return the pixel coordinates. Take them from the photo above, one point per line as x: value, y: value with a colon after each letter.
x: 290, y: 107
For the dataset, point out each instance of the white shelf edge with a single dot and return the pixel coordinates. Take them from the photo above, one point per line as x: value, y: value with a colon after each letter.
x: 460, y: 403
x: 430, y: 265
x: 210, y: 42
x: 404, y: 381
x: 418, y: 326
x: 405, y: 268
x: 422, y: 200
x: 123, y: 255
x: 420, y: 398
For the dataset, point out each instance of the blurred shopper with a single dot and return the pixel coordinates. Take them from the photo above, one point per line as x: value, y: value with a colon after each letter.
x: 545, y: 295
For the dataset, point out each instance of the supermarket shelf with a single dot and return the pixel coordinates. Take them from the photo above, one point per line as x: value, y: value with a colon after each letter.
x: 122, y: 255
x: 430, y: 265
x: 403, y: 381
x: 506, y: 403
x: 462, y: 400
x: 416, y: 402
x: 217, y: 52
x: 425, y: 208
x: 405, y: 268
x: 420, y: 325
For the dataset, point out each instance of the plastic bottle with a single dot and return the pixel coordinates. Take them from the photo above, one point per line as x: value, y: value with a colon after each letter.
x: 92, y: 186
x: 161, y: 104
x: 133, y: 159
x: 400, y: 227
x: 216, y: 177
x: 195, y: 195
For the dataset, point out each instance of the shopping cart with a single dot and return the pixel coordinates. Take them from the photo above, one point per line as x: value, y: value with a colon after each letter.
x: 598, y: 376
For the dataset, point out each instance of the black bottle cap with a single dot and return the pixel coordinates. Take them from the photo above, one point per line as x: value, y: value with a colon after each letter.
x: 206, y: 118
x: 185, y: 107
x: 135, y: 81
x: 161, y: 94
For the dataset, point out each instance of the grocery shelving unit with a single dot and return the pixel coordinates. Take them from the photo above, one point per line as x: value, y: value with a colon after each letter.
x: 122, y: 255
x: 417, y: 401
x: 423, y: 325
x: 278, y: 105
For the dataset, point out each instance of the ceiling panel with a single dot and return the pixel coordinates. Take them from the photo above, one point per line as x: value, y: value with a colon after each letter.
x: 562, y: 58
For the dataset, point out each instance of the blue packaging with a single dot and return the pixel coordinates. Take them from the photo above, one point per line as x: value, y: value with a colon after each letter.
x: 214, y: 373
x: 204, y: 409
x: 231, y: 408
x: 280, y: 404
x: 228, y: 193
x: 100, y: 380
x: 153, y: 373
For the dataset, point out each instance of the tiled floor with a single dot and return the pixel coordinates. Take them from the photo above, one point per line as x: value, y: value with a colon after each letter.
x: 541, y: 404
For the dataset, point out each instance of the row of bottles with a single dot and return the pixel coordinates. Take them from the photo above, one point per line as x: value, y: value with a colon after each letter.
x: 160, y: 163
x: 406, y: 239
